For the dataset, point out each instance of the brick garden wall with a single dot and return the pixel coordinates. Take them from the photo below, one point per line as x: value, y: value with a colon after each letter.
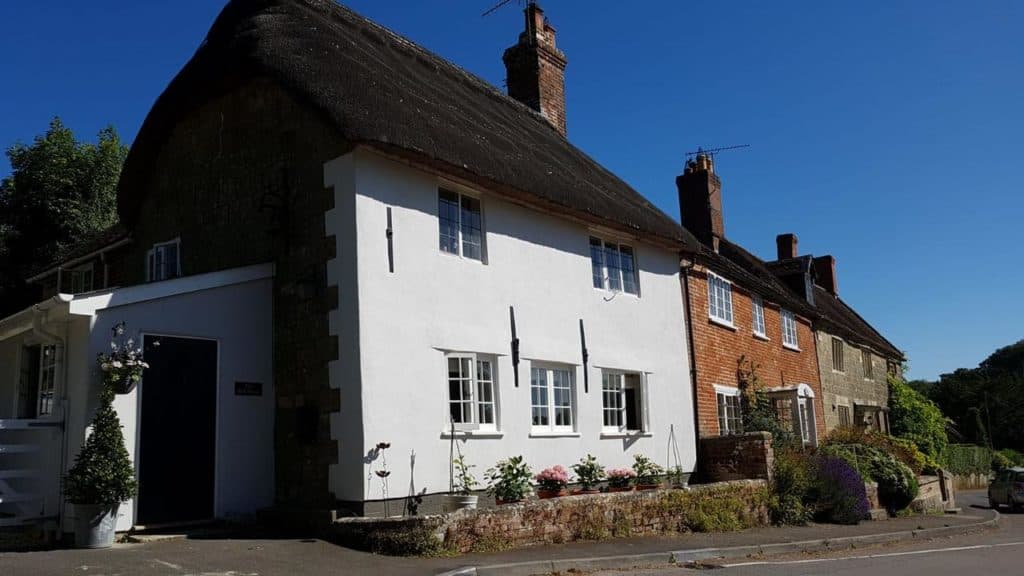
x: 239, y: 180
x: 718, y: 348
x: 710, y: 508
x: 738, y: 457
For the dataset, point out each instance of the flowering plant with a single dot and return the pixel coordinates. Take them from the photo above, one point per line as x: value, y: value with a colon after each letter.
x: 554, y: 478
x: 588, y: 472
x: 619, y: 477
x: 509, y: 480
x: 841, y: 491
x: 647, y: 472
x: 122, y: 368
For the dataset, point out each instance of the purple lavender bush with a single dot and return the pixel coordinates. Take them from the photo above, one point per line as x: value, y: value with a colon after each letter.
x: 841, y: 495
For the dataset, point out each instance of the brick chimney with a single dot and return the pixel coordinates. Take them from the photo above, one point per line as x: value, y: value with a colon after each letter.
x: 536, y: 69
x: 825, y: 274
x: 786, y: 245
x: 700, y: 200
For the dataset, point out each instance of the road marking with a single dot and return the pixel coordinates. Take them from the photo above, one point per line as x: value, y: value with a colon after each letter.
x: 168, y: 564
x: 870, y: 556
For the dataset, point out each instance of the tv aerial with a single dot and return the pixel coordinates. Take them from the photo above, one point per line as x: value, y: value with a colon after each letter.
x: 502, y: 4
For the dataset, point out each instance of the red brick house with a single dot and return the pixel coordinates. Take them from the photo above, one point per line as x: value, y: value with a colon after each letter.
x: 743, y: 318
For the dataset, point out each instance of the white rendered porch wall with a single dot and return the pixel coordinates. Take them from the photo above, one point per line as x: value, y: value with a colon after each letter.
x: 239, y: 318
x: 434, y: 302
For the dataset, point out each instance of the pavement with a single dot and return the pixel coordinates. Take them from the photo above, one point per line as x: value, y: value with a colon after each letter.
x: 222, y: 555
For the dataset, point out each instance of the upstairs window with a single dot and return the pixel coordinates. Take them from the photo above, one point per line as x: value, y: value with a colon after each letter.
x: 552, y: 399
x: 471, y: 393
x: 163, y: 261
x: 789, y: 339
x: 837, y: 355
x: 719, y: 299
x: 758, y: 316
x: 613, y: 267
x: 81, y: 279
x: 869, y: 366
x: 461, y: 226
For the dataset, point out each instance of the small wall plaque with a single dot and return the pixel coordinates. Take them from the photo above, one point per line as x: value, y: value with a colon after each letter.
x: 248, y: 389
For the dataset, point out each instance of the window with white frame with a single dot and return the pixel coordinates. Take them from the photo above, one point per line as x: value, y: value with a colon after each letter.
x: 48, y: 360
x: 461, y: 225
x: 838, y: 361
x: 730, y: 415
x: 623, y: 402
x: 806, y: 419
x: 472, y: 400
x: 163, y: 261
x: 613, y: 266
x: 719, y: 299
x: 758, y: 316
x: 552, y: 398
x: 789, y: 330
x: 81, y: 279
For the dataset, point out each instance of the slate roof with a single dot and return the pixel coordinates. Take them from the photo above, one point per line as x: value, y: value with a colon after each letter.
x: 384, y: 91
x: 842, y: 320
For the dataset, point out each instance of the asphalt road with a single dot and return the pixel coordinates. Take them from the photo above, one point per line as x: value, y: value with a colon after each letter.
x: 999, y: 551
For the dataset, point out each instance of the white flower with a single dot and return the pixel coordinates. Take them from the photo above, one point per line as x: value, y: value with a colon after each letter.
x: 143, y: 364
x: 105, y: 366
x: 113, y: 346
x: 116, y: 364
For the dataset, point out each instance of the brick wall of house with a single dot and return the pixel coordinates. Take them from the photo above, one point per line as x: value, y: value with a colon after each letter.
x: 240, y: 182
x: 717, y: 350
x: 850, y: 386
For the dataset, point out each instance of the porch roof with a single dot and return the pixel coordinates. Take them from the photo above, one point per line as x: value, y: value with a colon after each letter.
x: 23, y: 321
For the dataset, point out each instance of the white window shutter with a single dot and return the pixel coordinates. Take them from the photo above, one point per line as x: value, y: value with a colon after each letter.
x: 645, y: 403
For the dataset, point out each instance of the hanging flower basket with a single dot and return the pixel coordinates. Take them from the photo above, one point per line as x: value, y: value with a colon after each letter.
x: 122, y: 368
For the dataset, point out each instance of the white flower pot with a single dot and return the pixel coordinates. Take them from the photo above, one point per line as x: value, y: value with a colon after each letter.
x: 453, y: 502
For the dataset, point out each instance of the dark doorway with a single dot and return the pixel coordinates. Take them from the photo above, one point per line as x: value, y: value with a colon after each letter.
x: 177, y: 430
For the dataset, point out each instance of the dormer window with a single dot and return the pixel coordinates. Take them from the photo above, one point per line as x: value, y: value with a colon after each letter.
x: 163, y: 261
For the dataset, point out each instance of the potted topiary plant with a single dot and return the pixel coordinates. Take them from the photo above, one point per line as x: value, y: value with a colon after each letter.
x: 619, y: 479
x: 102, y: 476
x: 647, y: 473
x: 588, y: 473
x: 552, y: 482
x: 509, y: 480
x: 462, y: 486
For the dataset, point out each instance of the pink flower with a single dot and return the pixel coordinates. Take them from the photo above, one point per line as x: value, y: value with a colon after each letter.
x: 620, y: 473
x: 554, y: 477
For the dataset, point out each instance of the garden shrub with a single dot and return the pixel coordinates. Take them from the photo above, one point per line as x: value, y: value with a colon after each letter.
x: 904, y: 450
x: 840, y: 491
x: 916, y: 418
x: 790, y: 488
x: 897, y: 483
x: 968, y: 459
x: 1006, y: 458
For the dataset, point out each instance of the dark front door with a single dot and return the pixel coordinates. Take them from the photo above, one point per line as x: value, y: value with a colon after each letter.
x: 177, y: 430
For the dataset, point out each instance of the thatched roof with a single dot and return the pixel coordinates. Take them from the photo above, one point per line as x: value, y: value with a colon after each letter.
x: 384, y: 91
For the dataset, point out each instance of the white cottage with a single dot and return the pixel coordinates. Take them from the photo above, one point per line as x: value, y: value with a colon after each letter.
x: 374, y: 246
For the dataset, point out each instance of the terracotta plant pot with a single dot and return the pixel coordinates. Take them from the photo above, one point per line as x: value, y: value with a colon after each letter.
x: 648, y: 486
x: 585, y: 491
x: 501, y: 502
x: 544, y: 494
x: 620, y: 488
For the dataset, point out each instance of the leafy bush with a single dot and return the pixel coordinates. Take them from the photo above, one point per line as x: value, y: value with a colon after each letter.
x: 790, y: 488
x: 842, y: 498
x: 904, y: 450
x: 647, y: 472
x: 509, y: 480
x: 588, y: 472
x: 102, y: 473
x: 897, y: 483
x: 915, y: 418
x: 1006, y: 458
x: 968, y: 459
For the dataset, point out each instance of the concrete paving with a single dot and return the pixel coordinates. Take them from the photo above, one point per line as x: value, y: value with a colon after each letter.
x: 225, y: 556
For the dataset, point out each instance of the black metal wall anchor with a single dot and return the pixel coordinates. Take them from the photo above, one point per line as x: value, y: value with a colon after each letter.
x: 515, y: 347
x: 586, y: 357
x: 390, y: 233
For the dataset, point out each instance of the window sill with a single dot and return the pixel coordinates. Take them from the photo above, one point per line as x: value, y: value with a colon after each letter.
x: 834, y: 371
x: 722, y: 323
x: 447, y: 434
x: 762, y: 337
x: 628, y: 434
x: 791, y: 347
x: 554, y: 434
x: 615, y: 293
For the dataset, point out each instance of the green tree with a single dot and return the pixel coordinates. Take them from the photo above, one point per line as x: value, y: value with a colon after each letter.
x: 916, y: 418
x: 60, y: 191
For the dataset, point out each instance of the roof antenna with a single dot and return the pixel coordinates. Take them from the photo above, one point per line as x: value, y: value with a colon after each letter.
x: 499, y: 5
x: 712, y: 151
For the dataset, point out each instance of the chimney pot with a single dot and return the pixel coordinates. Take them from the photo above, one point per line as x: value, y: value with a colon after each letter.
x: 535, y: 69
x: 700, y: 201
x: 786, y: 245
x: 825, y: 274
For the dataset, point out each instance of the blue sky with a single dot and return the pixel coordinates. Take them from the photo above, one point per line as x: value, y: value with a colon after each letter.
x: 888, y: 134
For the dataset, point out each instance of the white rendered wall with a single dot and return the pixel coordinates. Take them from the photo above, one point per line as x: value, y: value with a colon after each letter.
x: 434, y: 302
x: 239, y: 318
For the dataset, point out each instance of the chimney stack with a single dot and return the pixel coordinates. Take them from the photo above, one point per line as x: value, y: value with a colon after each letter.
x: 825, y: 274
x: 786, y: 244
x: 536, y: 69
x: 700, y: 200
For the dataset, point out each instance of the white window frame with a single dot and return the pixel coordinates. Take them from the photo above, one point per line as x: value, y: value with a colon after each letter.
x: 720, y: 309
x: 757, y: 316
x: 151, y: 260
x: 460, y: 241
x: 838, y: 356
x: 789, y: 330
x: 549, y: 408
x: 49, y: 360
x: 474, y: 399
x: 617, y: 390
x: 608, y: 281
x: 77, y: 274
x: 722, y: 394
x: 799, y: 401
